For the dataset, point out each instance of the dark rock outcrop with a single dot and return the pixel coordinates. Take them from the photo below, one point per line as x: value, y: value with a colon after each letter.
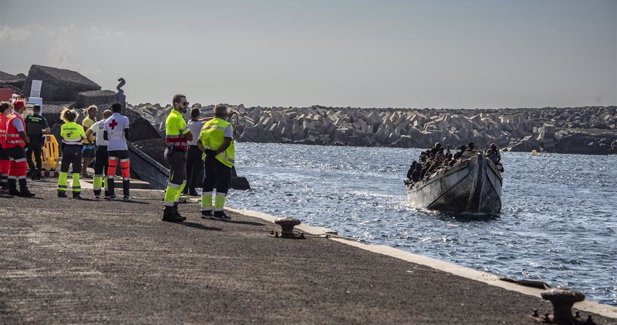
x: 15, y: 82
x: 95, y: 97
x: 141, y: 129
x: 59, y: 84
x: 586, y: 141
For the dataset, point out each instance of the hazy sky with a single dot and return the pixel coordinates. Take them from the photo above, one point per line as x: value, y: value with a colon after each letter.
x: 524, y: 53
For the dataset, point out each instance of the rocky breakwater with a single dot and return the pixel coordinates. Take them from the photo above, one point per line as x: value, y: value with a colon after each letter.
x: 585, y: 130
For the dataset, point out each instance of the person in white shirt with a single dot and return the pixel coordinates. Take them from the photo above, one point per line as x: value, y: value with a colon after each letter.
x: 116, y: 131
x: 194, y: 163
x: 100, y: 158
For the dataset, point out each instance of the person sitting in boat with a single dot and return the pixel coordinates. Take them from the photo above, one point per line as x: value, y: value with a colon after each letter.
x: 411, y: 169
x: 460, y: 153
x: 414, y: 174
x: 448, y: 153
x: 471, y: 151
x: 493, y: 154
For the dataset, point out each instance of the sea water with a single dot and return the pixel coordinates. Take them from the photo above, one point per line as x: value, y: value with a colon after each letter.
x: 558, y: 222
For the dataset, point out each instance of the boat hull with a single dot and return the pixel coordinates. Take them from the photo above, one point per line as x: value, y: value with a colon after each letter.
x: 473, y: 187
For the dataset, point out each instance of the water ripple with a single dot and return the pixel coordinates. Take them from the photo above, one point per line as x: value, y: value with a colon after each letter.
x: 558, y: 222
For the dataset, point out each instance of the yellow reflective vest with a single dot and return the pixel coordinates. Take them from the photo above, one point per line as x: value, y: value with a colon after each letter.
x: 72, y: 133
x: 212, y: 137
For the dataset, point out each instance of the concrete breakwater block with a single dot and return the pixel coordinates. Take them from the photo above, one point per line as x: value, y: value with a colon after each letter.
x: 517, y: 128
x: 59, y: 84
x: 95, y: 97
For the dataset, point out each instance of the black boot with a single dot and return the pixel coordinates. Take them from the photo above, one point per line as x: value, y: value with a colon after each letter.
x: 206, y: 214
x: 12, y: 183
x: 23, y: 189
x: 175, y: 209
x: 61, y: 194
x: 126, y: 185
x: 169, y: 215
x: 221, y: 215
x: 36, y: 175
x: 77, y: 195
x: 109, y: 191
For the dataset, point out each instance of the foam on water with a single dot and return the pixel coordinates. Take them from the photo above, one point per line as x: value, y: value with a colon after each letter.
x: 558, y: 224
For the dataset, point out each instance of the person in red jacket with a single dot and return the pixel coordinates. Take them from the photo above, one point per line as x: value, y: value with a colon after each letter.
x: 5, y: 111
x: 16, y: 142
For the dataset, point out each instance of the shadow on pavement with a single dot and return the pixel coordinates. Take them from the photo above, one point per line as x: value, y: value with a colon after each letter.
x: 250, y: 223
x: 199, y: 226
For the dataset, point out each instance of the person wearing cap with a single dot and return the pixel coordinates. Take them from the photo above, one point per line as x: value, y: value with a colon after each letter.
x: 100, y: 159
x: 177, y: 136
x: 89, y: 147
x: 36, y: 127
x: 5, y: 111
x: 16, y: 141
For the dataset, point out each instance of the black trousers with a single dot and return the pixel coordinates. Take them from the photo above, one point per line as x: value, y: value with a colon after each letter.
x: 194, y: 169
x: 36, y: 147
x: 217, y: 175
x: 71, y: 155
x: 100, y: 162
x: 176, y: 159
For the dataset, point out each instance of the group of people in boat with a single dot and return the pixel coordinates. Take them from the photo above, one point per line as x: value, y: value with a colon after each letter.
x: 439, y: 159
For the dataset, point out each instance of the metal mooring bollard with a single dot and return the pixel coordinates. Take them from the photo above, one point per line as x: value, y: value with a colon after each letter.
x: 287, y: 226
x: 562, y: 300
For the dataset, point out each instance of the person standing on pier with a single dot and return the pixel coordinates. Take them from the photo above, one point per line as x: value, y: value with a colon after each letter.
x: 194, y: 163
x: 89, y: 145
x: 16, y: 142
x: 5, y: 111
x: 100, y: 160
x: 216, y: 141
x: 72, y: 141
x: 177, y: 135
x: 116, y: 132
x: 36, y: 127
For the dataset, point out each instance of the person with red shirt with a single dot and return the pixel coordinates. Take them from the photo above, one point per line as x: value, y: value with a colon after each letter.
x: 16, y: 142
x: 5, y: 111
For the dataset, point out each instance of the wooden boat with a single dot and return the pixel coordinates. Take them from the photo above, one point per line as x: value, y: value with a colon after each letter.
x: 472, y: 186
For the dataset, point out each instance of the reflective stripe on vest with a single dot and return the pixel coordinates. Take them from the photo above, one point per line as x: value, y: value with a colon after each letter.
x: 13, y: 138
x: 176, y: 138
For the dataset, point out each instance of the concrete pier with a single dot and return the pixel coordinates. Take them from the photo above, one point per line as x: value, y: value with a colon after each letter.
x: 67, y: 261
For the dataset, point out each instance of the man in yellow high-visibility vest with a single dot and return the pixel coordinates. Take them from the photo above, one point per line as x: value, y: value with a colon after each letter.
x: 177, y: 135
x: 216, y: 141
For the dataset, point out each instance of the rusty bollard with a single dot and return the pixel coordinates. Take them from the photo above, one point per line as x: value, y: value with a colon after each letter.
x: 287, y: 226
x: 562, y: 300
